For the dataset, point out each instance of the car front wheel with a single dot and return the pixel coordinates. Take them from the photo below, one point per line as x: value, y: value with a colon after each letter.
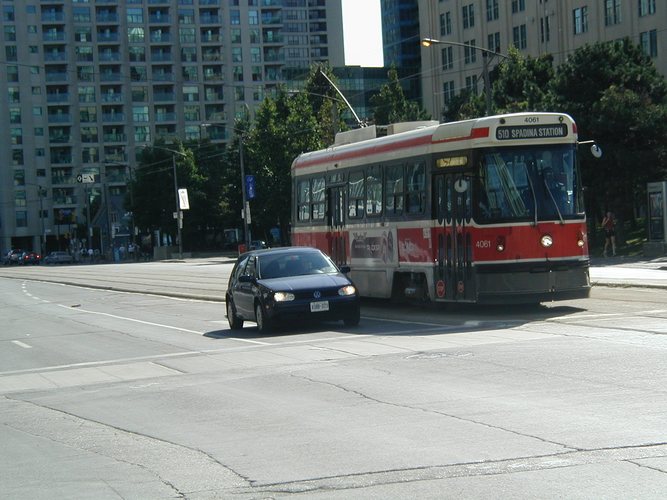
x: 235, y: 323
x: 263, y: 321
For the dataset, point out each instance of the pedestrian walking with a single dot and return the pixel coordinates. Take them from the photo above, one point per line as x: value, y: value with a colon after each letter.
x: 609, y: 227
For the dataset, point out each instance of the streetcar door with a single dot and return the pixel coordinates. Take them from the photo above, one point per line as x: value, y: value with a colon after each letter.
x: 336, y: 224
x: 452, y: 199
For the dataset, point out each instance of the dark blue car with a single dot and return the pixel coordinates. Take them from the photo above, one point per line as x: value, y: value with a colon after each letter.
x: 290, y: 283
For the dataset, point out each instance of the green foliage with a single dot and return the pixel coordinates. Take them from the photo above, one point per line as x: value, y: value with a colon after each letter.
x: 391, y: 106
x: 618, y: 98
x: 519, y: 84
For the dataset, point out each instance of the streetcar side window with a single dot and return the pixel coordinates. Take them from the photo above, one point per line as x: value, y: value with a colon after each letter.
x: 318, y: 198
x: 356, y: 195
x: 374, y: 192
x: 303, y: 200
x: 393, y: 190
x: 416, y: 188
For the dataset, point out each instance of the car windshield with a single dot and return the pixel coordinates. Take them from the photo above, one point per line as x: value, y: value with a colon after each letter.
x: 294, y: 264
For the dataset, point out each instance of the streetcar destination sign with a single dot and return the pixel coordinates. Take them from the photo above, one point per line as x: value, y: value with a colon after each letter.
x: 531, y: 132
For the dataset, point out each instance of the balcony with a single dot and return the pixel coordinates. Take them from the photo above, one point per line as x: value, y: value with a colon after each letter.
x: 111, y: 76
x: 159, y: 18
x: 164, y: 96
x: 114, y: 138
x: 60, y: 139
x: 161, y: 57
x: 60, y: 118
x: 109, y: 56
x: 209, y: 19
x: 163, y: 77
x: 113, y: 117
x: 106, y: 17
x: 55, y: 97
x: 51, y: 17
x: 165, y: 117
x: 50, y: 36
x: 57, y: 56
x: 160, y: 38
x: 61, y: 159
x: 106, y: 37
x: 115, y: 97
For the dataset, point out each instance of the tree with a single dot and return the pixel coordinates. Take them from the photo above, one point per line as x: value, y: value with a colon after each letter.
x: 285, y: 126
x: 519, y: 84
x: 618, y: 98
x: 391, y: 106
x: 153, y: 198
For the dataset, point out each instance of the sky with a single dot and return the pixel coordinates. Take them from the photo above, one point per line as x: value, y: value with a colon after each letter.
x: 362, y: 33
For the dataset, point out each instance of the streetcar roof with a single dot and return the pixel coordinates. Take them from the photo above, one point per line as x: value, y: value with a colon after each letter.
x: 425, y: 136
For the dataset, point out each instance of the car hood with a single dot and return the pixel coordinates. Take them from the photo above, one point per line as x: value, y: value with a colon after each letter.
x: 306, y: 282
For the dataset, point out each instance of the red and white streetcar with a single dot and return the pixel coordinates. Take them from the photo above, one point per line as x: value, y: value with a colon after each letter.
x: 488, y: 210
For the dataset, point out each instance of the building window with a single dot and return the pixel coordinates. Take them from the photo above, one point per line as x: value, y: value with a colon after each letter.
x: 518, y: 6
x: 468, y: 16
x: 580, y: 20
x: 234, y: 17
x: 15, y: 115
x: 19, y: 199
x: 469, y: 52
x: 16, y: 134
x: 140, y: 113
x: 646, y: 7
x: 81, y: 14
x: 492, y: 10
x: 447, y: 58
x: 494, y: 42
x: 253, y: 17
x: 187, y: 35
x: 21, y: 218
x: 471, y: 84
x: 612, y: 12
x: 135, y: 16
x: 136, y: 34
x: 545, y: 31
x: 446, y: 23
x: 649, y: 43
x: 519, y: 36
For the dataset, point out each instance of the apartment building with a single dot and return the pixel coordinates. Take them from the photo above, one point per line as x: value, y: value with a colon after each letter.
x: 535, y: 27
x: 87, y: 84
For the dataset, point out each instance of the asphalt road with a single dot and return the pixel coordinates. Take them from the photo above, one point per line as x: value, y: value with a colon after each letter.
x: 148, y: 394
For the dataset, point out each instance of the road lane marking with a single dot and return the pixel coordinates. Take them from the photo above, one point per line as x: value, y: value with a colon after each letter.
x: 21, y: 344
x: 150, y: 323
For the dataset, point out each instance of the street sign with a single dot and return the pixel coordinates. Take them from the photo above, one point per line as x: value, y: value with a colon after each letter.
x: 85, y: 178
x: 250, y: 187
x: 183, y: 202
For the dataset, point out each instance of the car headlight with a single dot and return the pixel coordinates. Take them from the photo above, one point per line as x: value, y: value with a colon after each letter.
x: 283, y: 296
x: 347, y: 290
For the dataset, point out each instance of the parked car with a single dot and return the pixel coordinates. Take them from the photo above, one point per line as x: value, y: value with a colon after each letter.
x: 14, y: 256
x: 257, y: 244
x: 30, y: 258
x: 289, y: 283
x: 58, y: 258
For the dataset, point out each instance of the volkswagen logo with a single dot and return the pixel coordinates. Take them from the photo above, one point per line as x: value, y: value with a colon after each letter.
x: 317, y: 294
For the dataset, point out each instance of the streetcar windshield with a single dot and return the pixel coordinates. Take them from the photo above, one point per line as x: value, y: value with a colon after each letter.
x: 537, y: 183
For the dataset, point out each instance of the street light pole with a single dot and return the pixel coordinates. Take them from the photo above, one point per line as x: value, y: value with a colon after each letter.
x: 427, y: 42
x: 179, y: 214
x: 246, y: 208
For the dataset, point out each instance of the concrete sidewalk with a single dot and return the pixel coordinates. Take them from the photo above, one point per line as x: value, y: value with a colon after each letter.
x: 629, y: 271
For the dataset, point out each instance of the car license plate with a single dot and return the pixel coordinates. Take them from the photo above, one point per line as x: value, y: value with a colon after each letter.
x: 319, y: 306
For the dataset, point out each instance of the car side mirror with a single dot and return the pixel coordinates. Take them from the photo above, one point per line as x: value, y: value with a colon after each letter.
x: 345, y: 269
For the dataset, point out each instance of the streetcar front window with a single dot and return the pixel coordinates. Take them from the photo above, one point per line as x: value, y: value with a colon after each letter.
x: 538, y: 183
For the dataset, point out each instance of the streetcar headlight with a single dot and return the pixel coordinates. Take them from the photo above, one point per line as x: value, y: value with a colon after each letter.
x: 500, y: 243
x: 500, y: 247
x: 347, y: 290
x: 283, y: 296
x: 546, y: 241
x: 581, y: 240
